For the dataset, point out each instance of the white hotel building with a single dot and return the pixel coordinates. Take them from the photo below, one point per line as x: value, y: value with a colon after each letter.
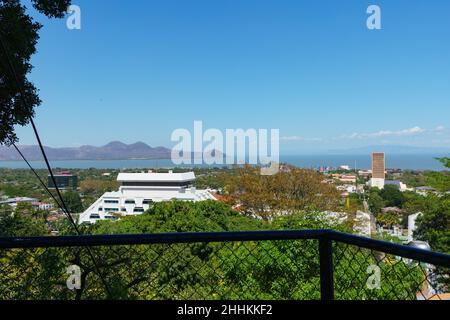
x: 138, y: 191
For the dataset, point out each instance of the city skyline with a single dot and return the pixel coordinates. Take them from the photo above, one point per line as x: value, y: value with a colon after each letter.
x: 315, y: 72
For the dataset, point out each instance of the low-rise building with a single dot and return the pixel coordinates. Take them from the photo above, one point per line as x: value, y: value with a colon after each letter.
x: 344, y: 178
x: 425, y: 190
x: 347, y: 178
x: 43, y: 205
x: 64, y: 180
x: 347, y: 188
x: 138, y: 191
x: 400, y: 185
x: 381, y: 183
x: 365, y: 173
x: 35, y: 203
x: 391, y: 209
x: 13, y: 202
x: 376, y: 183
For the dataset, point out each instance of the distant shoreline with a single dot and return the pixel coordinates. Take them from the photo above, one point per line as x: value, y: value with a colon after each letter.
x: 73, y: 160
x: 418, y: 162
x: 431, y: 156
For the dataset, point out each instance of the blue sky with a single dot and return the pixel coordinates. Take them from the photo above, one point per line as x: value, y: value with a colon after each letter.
x: 137, y: 70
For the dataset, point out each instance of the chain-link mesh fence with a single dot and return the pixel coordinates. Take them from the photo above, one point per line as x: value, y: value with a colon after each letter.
x: 227, y: 270
x: 235, y: 270
x: 364, y: 274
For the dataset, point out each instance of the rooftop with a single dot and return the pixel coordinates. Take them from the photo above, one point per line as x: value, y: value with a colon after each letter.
x: 64, y: 173
x: 425, y: 188
x: 19, y: 199
x: 156, y: 177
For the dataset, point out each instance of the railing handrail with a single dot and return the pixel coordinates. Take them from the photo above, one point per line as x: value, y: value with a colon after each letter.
x: 435, y: 258
x: 432, y: 257
x: 157, y: 238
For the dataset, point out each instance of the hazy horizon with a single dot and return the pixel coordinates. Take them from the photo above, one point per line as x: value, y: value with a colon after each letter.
x: 315, y: 72
x: 367, y: 149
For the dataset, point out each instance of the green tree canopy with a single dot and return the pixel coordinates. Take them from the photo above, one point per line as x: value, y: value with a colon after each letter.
x: 392, y: 196
x: 73, y: 201
x: 434, y: 224
x: 21, y: 222
x: 440, y: 180
x: 376, y: 202
x: 180, y: 216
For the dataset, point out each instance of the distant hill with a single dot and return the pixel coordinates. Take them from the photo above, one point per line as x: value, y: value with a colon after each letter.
x: 115, y: 150
x: 393, y: 149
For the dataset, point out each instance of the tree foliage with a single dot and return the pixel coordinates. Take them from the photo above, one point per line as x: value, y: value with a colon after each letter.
x: 73, y: 201
x: 433, y: 226
x: 440, y: 180
x: 389, y: 196
x: 290, y: 190
x: 217, y: 270
x: 392, y: 196
x: 376, y: 202
x: 389, y: 219
x: 24, y: 221
x: 97, y: 186
x: 434, y: 223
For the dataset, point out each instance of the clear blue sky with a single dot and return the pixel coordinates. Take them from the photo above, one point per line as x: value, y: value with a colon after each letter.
x: 137, y: 70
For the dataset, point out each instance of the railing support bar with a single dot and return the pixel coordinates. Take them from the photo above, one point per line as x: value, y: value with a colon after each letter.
x: 326, y: 269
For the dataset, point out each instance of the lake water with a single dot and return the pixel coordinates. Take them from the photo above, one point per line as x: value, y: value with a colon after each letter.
x: 413, y: 162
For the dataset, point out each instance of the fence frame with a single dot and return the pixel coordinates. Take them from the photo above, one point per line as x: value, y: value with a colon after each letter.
x: 324, y: 236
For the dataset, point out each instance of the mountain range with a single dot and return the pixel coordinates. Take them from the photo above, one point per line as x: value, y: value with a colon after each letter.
x: 115, y: 150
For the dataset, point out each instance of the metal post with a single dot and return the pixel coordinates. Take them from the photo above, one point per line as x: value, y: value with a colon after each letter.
x: 326, y: 269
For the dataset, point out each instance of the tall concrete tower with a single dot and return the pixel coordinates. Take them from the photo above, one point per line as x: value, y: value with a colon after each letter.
x: 378, y: 170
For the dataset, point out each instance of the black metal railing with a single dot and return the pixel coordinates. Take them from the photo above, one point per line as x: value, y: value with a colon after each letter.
x: 304, y: 264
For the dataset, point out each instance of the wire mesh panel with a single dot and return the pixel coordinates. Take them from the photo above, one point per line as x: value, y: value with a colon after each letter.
x: 364, y: 274
x: 33, y: 274
x: 287, y: 269
x: 235, y: 266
